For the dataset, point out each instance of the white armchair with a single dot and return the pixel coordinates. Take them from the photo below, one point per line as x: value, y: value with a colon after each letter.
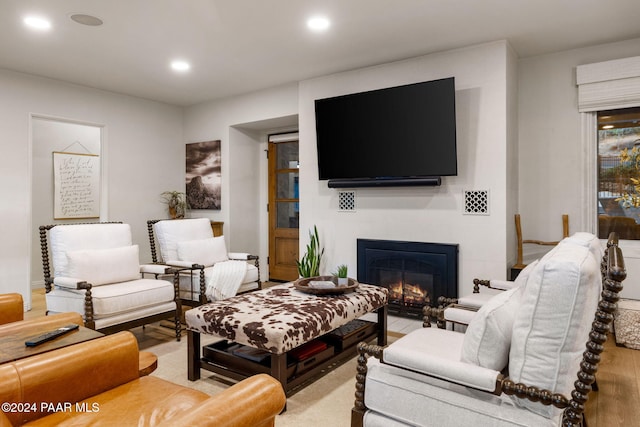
x: 515, y: 365
x: 459, y: 312
x: 97, y: 273
x: 199, y: 262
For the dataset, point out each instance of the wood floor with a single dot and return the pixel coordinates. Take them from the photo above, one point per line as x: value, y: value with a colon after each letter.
x: 617, y: 403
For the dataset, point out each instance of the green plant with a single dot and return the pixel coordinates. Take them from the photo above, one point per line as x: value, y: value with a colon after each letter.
x: 176, y: 202
x: 309, y: 264
x: 341, y: 271
x: 631, y: 161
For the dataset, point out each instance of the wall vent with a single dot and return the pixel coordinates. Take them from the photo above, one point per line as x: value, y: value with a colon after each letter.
x: 476, y: 202
x: 347, y: 201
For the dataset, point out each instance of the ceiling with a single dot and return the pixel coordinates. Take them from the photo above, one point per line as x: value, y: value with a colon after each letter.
x: 238, y: 46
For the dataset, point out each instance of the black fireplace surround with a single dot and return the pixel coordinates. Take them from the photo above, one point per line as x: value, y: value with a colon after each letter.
x: 415, y: 273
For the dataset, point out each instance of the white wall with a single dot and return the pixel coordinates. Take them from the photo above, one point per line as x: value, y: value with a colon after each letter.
x: 484, y: 74
x: 49, y: 135
x: 551, y: 148
x: 143, y: 153
x: 241, y: 124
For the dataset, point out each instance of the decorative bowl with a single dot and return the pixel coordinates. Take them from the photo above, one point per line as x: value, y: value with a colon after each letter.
x: 303, y: 286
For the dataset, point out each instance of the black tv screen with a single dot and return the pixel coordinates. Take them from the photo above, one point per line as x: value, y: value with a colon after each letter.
x: 398, y: 132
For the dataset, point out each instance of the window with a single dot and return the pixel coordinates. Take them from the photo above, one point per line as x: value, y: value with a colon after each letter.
x: 619, y: 173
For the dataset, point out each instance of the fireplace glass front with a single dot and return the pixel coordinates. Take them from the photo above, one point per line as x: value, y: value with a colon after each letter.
x: 415, y: 273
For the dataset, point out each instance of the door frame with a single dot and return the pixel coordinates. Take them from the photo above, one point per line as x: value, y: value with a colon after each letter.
x: 272, y: 234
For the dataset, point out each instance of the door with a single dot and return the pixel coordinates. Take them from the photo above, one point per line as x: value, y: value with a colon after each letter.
x: 284, y: 208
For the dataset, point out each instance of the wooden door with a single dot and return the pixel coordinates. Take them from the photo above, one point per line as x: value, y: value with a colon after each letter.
x: 284, y: 210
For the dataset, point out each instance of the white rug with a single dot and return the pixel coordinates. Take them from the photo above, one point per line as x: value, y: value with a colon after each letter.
x: 325, y: 402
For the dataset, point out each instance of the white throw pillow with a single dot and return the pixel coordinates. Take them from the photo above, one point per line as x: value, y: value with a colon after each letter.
x: 171, y: 231
x: 205, y: 251
x: 104, y: 266
x: 522, y: 278
x: 488, y: 337
x: 589, y: 240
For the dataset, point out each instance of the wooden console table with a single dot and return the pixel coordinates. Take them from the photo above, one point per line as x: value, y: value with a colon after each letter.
x: 279, y: 320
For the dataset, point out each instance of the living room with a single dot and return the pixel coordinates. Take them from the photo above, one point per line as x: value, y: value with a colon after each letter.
x: 519, y: 137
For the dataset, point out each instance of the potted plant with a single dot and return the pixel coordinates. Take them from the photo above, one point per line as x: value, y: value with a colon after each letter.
x: 341, y: 274
x: 176, y: 202
x: 309, y: 264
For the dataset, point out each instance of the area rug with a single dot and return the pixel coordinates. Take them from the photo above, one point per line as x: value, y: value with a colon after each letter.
x: 325, y: 401
x: 627, y: 323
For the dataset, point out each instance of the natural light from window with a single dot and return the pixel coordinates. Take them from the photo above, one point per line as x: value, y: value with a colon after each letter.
x: 619, y: 173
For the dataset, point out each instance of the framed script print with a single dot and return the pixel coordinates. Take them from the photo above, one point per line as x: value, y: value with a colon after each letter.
x: 76, y: 185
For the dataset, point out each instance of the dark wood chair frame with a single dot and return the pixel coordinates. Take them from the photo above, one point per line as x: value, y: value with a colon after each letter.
x: 89, y: 321
x: 613, y: 272
x: 178, y: 270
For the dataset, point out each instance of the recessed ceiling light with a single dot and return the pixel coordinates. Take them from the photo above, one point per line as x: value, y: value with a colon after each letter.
x: 37, y: 23
x: 180, y: 66
x: 607, y: 127
x: 83, y: 19
x: 318, y: 23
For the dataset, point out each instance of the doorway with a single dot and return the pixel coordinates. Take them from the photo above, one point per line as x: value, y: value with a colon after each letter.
x: 284, y: 206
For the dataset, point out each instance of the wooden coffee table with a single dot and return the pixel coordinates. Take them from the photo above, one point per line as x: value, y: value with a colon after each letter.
x: 12, y: 346
x: 278, y: 321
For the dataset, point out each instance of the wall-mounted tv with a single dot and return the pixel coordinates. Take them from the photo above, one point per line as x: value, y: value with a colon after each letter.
x: 403, y: 135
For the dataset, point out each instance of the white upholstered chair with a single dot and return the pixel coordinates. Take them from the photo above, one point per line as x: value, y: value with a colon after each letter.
x: 199, y: 262
x: 517, y: 362
x: 97, y: 273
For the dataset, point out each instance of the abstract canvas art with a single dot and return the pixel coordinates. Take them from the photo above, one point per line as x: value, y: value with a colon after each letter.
x: 203, y: 177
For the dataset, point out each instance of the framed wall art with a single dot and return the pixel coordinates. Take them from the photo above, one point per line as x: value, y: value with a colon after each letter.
x: 203, y: 176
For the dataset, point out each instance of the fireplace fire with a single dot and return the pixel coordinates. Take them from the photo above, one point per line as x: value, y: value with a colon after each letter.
x: 415, y: 273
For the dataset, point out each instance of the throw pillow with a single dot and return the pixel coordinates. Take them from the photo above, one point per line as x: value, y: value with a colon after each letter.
x: 488, y: 336
x: 522, y: 278
x: 104, y: 266
x: 205, y: 251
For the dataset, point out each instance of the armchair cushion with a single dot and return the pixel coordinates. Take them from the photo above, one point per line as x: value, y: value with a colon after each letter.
x: 203, y: 251
x: 436, y: 352
x: 170, y: 232
x: 401, y: 397
x: 104, y: 266
x: 84, y: 236
x: 553, y: 321
x: 488, y: 337
x: 110, y: 302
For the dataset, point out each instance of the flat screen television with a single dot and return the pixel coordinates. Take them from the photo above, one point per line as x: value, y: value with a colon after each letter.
x: 403, y: 135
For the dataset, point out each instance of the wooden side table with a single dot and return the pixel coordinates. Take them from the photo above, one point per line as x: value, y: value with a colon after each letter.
x: 147, y: 364
x: 217, y: 227
x: 12, y: 347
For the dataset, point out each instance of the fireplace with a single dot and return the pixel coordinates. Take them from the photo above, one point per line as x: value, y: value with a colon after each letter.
x: 415, y: 273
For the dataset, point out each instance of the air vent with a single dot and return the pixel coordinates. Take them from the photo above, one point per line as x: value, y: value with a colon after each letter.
x: 476, y: 202
x: 347, y: 201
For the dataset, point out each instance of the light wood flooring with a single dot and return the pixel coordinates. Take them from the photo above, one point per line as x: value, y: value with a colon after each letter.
x: 617, y: 403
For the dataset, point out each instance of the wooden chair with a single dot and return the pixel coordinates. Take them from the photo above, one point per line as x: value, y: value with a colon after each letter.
x: 188, y: 248
x: 461, y: 310
x: 519, y: 265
